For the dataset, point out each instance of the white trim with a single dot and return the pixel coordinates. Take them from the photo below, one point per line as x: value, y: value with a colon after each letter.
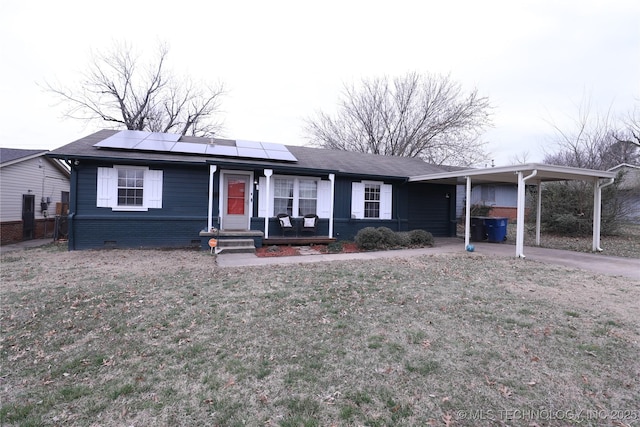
x: 223, y: 194
x: 508, y: 174
x: 212, y: 171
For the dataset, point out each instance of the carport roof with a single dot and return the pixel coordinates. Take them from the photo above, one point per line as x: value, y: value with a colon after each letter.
x: 509, y: 174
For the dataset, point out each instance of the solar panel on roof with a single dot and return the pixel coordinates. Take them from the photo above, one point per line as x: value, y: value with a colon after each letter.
x: 117, y: 141
x: 281, y: 155
x: 270, y: 146
x: 254, y: 153
x: 248, y: 144
x: 189, y: 147
x: 155, y: 145
x: 221, y: 150
x: 159, y: 136
x: 170, y: 143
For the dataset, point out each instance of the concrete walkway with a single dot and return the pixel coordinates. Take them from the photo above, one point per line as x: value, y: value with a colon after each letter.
x: 598, y: 263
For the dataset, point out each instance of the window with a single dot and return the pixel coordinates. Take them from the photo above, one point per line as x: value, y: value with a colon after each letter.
x: 296, y: 196
x: 307, y: 196
x: 371, y: 199
x: 129, y: 188
x: 283, y: 196
x: 488, y: 193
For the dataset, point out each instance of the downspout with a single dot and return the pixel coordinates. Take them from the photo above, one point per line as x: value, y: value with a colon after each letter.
x: 538, y: 213
x: 74, y: 206
x: 520, y: 214
x: 212, y: 171
x: 597, y: 212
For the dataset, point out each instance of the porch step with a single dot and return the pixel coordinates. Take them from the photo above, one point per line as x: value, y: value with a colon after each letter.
x: 236, y: 246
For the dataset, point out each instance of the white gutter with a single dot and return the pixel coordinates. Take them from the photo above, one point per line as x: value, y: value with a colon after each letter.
x: 597, y: 212
x: 520, y: 213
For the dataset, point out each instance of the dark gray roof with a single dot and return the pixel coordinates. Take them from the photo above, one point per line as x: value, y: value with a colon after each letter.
x: 10, y: 154
x: 342, y: 162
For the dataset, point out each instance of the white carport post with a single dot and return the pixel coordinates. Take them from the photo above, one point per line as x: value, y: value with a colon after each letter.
x: 212, y: 170
x: 467, y: 214
x: 267, y: 173
x: 520, y: 216
x: 597, y: 212
x: 538, y: 213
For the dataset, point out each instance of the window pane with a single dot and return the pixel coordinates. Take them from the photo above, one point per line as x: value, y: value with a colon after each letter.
x: 308, y: 189
x: 372, y: 192
x: 372, y: 209
x: 306, y: 206
x: 283, y: 206
x: 283, y: 187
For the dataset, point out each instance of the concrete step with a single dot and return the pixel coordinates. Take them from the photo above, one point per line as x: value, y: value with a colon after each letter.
x: 236, y: 246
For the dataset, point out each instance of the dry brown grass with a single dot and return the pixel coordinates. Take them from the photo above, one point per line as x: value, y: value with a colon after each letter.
x: 125, y: 337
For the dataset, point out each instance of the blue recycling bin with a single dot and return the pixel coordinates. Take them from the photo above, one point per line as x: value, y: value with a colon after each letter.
x: 496, y: 229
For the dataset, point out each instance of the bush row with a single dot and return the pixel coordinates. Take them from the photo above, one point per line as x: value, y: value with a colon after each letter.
x: 371, y: 238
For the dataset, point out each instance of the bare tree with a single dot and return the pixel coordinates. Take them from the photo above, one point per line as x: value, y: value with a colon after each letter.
x: 520, y: 158
x: 594, y: 141
x: 631, y: 132
x: 425, y: 116
x: 117, y: 89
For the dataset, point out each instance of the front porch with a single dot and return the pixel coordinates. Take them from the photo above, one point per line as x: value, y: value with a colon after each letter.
x: 239, y: 240
x: 298, y: 240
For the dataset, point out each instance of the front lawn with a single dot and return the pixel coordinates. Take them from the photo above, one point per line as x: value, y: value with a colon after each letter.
x: 140, y: 338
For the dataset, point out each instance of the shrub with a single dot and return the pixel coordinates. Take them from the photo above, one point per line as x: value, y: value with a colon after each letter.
x: 371, y: 238
x: 368, y: 238
x: 403, y: 239
x: 420, y: 238
x: 388, y: 238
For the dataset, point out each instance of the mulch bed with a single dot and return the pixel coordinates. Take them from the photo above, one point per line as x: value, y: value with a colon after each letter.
x: 285, y: 250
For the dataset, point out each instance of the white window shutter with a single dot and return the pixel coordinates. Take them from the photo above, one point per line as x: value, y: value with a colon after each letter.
x: 107, y: 188
x: 323, y: 206
x: 152, y: 189
x: 357, y: 200
x: 262, y: 197
x: 385, y: 201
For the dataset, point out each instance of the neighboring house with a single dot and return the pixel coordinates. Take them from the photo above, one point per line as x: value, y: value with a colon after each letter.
x: 33, y: 189
x: 141, y: 189
x: 502, y: 198
x: 629, y: 188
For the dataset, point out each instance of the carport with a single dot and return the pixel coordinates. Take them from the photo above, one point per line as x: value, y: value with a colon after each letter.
x: 523, y: 175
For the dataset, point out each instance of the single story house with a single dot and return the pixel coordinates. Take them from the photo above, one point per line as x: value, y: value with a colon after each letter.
x: 144, y: 189
x: 34, y: 191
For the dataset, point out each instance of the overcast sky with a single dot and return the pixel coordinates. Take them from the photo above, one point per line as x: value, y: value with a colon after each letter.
x: 283, y: 60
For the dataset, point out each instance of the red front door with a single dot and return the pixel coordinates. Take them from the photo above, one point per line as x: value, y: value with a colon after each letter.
x: 236, y: 202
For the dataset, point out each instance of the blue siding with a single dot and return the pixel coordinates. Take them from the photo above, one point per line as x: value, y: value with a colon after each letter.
x: 177, y: 224
x: 185, y: 202
x: 432, y: 207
